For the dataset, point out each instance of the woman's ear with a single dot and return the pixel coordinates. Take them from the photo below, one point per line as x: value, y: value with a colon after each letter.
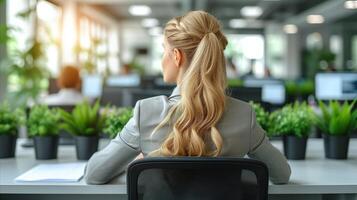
x: 178, y: 57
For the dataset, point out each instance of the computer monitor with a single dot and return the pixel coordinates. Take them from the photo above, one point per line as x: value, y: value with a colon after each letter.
x: 273, y: 93
x: 336, y: 86
x: 92, y: 86
x: 273, y: 90
x: 130, y: 80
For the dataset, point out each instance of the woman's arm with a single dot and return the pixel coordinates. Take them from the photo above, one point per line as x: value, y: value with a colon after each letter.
x: 114, y: 158
x: 261, y: 149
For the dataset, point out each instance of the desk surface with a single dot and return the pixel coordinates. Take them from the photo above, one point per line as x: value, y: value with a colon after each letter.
x: 315, y: 175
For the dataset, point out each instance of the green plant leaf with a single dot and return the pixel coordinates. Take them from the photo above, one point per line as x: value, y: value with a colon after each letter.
x: 43, y: 121
x: 293, y: 119
x: 83, y: 120
x: 337, y: 119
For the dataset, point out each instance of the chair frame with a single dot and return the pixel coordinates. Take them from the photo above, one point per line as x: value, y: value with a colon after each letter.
x: 136, y: 167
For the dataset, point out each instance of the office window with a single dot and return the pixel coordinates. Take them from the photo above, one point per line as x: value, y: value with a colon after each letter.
x: 113, y: 54
x: 247, y: 52
x: 336, y: 48
x: 98, y: 47
x: 275, y: 44
x: 157, y: 51
x: 22, y: 30
x: 314, y: 41
x: 48, y: 33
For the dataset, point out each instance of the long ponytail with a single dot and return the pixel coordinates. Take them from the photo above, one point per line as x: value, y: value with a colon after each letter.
x: 203, y: 86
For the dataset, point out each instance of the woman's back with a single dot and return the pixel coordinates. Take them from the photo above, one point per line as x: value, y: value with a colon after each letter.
x: 234, y: 126
x: 240, y: 133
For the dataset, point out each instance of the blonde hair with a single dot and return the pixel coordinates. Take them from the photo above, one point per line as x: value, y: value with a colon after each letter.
x: 197, y: 34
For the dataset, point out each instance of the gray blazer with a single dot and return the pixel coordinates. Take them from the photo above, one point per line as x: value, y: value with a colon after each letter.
x: 240, y: 132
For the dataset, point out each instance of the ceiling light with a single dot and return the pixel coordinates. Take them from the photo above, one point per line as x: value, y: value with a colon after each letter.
x: 251, y: 11
x: 290, y: 29
x: 351, y: 4
x: 155, y: 31
x: 315, y: 19
x: 149, y: 22
x: 237, y: 23
x: 140, y: 10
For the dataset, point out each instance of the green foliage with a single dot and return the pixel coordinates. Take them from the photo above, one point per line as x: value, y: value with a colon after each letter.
x: 84, y: 120
x: 315, y: 59
x: 294, y: 88
x: 116, y: 121
x: 137, y: 67
x: 262, y: 116
x: 28, y: 71
x: 10, y: 120
x: 25, y: 71
x: 295, y: 119
x: 336, y: 118
x: 26, y: 14
x: 43, y: 121
x: 235, y: 82
x: 4, y: 34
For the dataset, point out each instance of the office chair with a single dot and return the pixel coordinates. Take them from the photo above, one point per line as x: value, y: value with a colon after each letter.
x: 188, y: 178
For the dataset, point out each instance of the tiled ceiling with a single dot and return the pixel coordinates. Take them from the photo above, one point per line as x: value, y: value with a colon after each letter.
x: 273, y: 10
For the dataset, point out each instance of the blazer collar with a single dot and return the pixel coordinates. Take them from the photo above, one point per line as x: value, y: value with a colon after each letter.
x: 175, y: 92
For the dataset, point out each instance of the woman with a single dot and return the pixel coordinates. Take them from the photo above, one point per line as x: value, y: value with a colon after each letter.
x: 69, y: 82
x: 198, y: 119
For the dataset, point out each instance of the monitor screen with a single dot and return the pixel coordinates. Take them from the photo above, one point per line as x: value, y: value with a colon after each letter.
x: 130, y: 80
x: 273, y: 90
x: 260, y: 82
x: 92, y: 86
x: 273, y: 93
x: 336, y: 86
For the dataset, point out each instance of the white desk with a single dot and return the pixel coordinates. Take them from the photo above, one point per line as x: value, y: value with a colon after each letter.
x: 313, y: 178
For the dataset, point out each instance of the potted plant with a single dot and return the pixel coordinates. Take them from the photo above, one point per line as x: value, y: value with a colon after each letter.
x: 85, y: 123
x: 336, y: 122
x: 293, y: 122
x: 43, y: 128
x: 9, y: 123
x: 116, y: 120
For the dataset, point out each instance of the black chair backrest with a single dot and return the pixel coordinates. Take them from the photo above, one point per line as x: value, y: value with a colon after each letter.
x: 187, y: 178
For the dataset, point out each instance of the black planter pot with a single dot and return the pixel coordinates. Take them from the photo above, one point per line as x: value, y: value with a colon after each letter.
x: 336, y: 147
x: 7, y: 146
x: 86, y: 146
x: 46, y: 147
x: 294, y: 147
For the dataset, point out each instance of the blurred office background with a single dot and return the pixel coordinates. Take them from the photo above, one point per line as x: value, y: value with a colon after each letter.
x: 279, y: 51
